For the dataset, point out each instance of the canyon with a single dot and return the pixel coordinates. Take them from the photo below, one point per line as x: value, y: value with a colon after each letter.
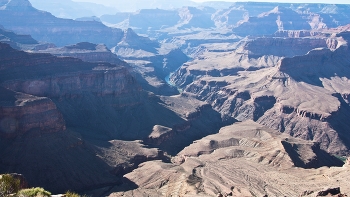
x: 223, y: 99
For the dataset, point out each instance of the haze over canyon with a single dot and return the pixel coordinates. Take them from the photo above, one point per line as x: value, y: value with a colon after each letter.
x: 186, y: 99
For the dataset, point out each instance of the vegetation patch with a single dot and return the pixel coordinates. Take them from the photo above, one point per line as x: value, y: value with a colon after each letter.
x: 34, y: 192
x: 8, y: 185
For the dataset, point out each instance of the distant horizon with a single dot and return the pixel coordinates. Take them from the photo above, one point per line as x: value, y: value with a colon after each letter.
x: 110, y: 3
x: 283, y: 1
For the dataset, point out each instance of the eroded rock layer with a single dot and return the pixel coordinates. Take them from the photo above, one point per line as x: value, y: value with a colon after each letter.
x: 21, y: 113
x: 304, y: 96
x: 244, y: 159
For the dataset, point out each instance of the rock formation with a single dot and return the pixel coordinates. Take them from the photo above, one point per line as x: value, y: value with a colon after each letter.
x: 21, y: 113
x: 283, y: 97
x: 85, y: 51
x: 96, y: 120
x: 347, y: 162
x: 64, y: 32
x: 133, y: 46
x: 241, y: 160
x: 44, y: 111
x: 15, y: 40
x: 280, y: 18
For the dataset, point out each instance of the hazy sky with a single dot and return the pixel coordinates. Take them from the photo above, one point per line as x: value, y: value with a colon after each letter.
x: 289, y: 1
x: 282, y: 1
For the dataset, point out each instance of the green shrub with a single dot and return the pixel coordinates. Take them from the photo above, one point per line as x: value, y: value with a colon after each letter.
x: 34, y: 192
x: 9, y: 185
x: 71, y: 194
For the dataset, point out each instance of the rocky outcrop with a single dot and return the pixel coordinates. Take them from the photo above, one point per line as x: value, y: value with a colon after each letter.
x: 85, y: 51
x: 192, y: 17
x: 134, y: 42
x: 347, y: 162
x: 15, y: 40
x: 299, y: 97
x: 278, y: 19
x: 21, y: 113
x: 248, y: 54
x: 71, y: 84
x: 145, y: 19
x: 242, y: 143
x: 331, y: 192
x: 100, y: 82
x: 283, y: 47
x: 62, y: 77
x: 38, y: 24
x: 298, y: 33
x: 243, y: 159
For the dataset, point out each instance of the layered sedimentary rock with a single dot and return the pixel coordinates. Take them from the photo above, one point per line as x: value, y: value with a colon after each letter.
x: 64, y: 160
x: 47, y: 75
x: 282, y: 47
x: 15, y: 40
x: 304, y: 96
x: 241, y: 160
x: 39, y: 25
x: 100, y: 102
x: 85, y: 51
x: 247, y: 54
x: 21, y: 113
x: 135, y: 46
x: 280, y: 18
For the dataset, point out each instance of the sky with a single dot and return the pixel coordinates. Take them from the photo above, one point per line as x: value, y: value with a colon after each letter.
x: 289, y: 1
x: 281, y: 1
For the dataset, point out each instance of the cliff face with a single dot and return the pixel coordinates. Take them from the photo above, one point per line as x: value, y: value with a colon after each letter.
x: 47, y: 75
x: 280, y: 18
x: 14, y: 39
x: 88, y: 98
x: 21, y: 113
x: 283, y: 47
x: 133, y: 46
x: 304, y: 96
x: 65, y: 80
x: 43, y: 26
x: 98, y: 82
x: 248, y: 54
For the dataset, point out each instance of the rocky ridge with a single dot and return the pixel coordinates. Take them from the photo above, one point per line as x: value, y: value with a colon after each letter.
x: 298, y: 96
x: 21, y: 113
x: 55, y: 92
x: 240, y: 160
x: 64, y: 32
x: 85, y: 51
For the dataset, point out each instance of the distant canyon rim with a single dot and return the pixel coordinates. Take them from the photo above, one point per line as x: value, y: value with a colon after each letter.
x: 216, y: 99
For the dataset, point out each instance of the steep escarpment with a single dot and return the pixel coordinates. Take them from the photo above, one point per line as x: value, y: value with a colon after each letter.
x: 85, y: 51
x: 247, y: 54
x: 16, y: 40
x: 133, y: 45
x: 280, y: 18
x: 64, y: 160
x: 283, y: 47
x: 43, y: 26
x: 305, y: 96
x: 47, y: 75
x: 99, y: 103
x: 21, y: 113
x: 70, y: 82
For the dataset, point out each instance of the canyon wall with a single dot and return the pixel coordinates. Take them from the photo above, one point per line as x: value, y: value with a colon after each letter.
x: 303, y: 96
x: 21, y: 113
